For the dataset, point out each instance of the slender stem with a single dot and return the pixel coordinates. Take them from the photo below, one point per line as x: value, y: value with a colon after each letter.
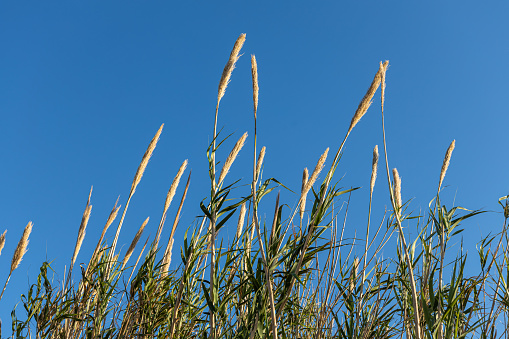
x: 403, y: 241
x: 213, y: 230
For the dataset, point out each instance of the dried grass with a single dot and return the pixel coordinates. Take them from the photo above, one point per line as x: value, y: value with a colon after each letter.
x: 21, y: 249
x: 231, y: 157
x: 256, y: 89
x: 368, y: 97
x: 230, y: 66
x: 445, y: 164
x: 136, y: 238
x: 2, y: 241
x: 397, y: 188
x: 374, y: 168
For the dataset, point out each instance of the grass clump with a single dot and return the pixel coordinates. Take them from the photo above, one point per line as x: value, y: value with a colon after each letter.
x: 278, y: 278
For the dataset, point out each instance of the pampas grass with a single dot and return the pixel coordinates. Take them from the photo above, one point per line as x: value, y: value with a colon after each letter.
x: 397, y: 188
x: 230, y: 66
x: 445, y: 164
x: 19, y: 253
x: 263, y: 281
x: 303, y: 192
x: 231, y: 157
x: 136, y: 238
x: 137, y: 178
x: 2, y: 241
x: 366, y: 101
x: 169, y: 198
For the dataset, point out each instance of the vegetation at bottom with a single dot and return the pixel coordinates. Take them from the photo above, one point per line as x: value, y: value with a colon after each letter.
x: 293, y: 275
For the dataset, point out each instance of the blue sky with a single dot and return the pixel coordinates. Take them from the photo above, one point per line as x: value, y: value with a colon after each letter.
x: 85, y: 85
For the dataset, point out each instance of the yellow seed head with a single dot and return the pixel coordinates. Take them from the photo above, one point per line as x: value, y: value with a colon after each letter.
x: 305, y: 177
x: 2, y: 241
x: 136, y: 238
x: 374, y: 169
x: 316, y: 172
x: 21, y: 249
x: 366, y: 101
x: 240, y: 223
x: 397, y: 188
x: 445, y: 164
x: 384, y: 67
x: 174, y: 185
x: 167, y: 257
x: 231, y: 157
x: 230, y: 66
x: 145, y: 159
x: 260, y: 161
x: 81, y: 232
x: 254, y: 75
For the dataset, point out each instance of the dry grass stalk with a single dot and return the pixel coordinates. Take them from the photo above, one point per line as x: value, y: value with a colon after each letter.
x: 81, y: 232
x: 397, y: 188
x: 177, y: 216
x: 251, y: 238
x: 19, y: 252
x: 445, y: 164
x: 2, y: 241
x: 254, y: 74
x: 366, y: 101
x: 230, y: 66
x: 374, y: 169
x: 136, y: 181
x: 167, y: 258
x: 145, y: 159
x: 259, y: 163
x: 111, y: 218
x: 240, y: 223
x: 231, y: 157
x: 169, y: 198
x: 131, y: 248
x: 316, y: 172
x: 174, y: 185
x: 21, y: 249
x: 305, y: 178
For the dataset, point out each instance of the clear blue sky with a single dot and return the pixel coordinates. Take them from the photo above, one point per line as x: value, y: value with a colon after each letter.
x: 84, y: 85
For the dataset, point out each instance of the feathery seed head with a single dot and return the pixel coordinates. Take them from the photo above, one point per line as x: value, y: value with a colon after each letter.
x: 305, y: 177
x: 230, y: 66
x: 136, y: 238
x: 111, y: 218
x: 259, y: 162
x: 374, y: 169
x: 81, y: 232
x: 167, y: 257
x: 397, y: 188
x: 366, y: 101
x: 254, y: 74
x: 2, y: 241
x: 251, y: 237
x: 231, y: 157
x: 21, y: 249
x: 384, y: 67
x: 145, y: 159
x: 174, y: 185
x: 169, y: 198
x: 445, y: 164
x: 240, y: 223
x: 316, y: 172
